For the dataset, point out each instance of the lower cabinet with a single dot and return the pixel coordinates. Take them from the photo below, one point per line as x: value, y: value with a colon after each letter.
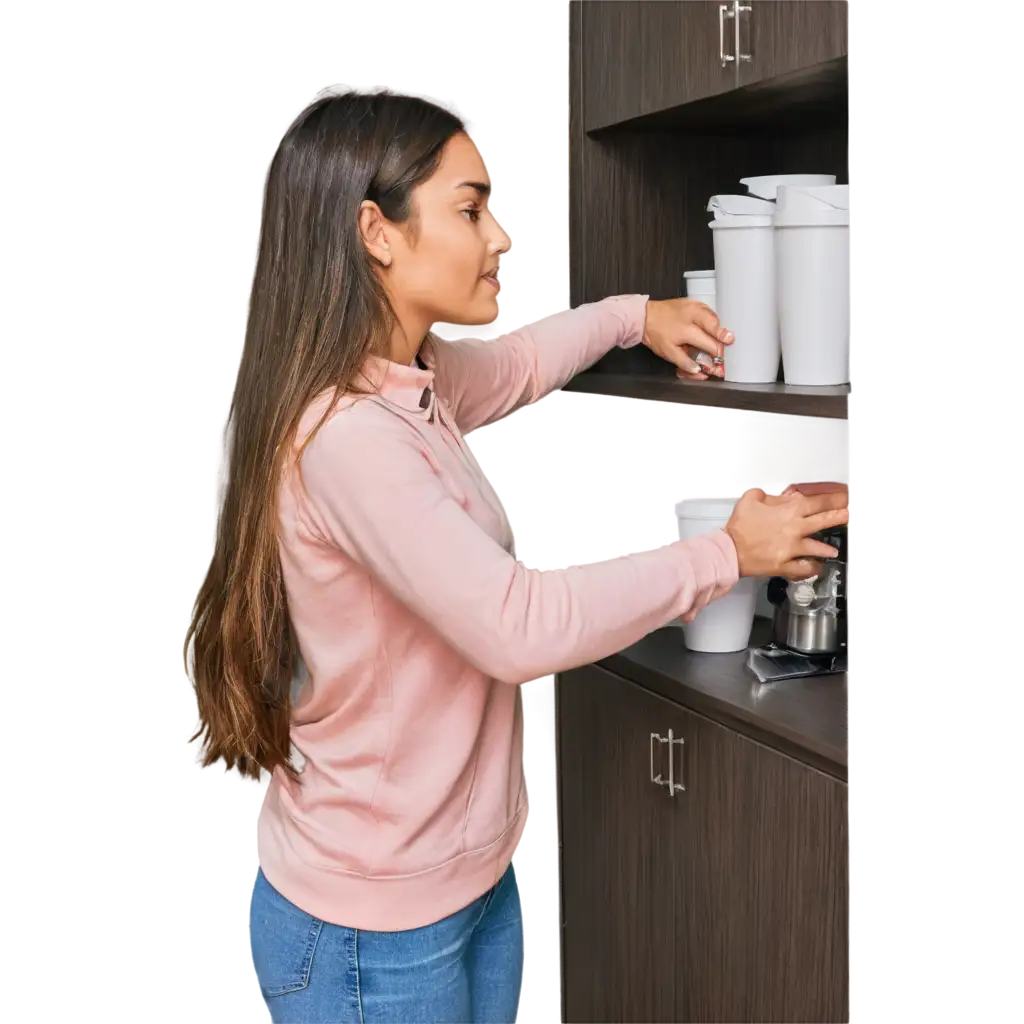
x: 724, y: 899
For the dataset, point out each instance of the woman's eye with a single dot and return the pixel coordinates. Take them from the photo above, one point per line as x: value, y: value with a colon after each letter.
x: 474, y: 214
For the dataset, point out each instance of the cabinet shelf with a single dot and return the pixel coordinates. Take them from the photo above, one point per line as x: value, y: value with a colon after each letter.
x: 788, y: 399
x: 805, y: 98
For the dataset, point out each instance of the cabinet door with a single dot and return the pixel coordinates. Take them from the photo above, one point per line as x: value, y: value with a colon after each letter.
x: 683, y: 48
x: 766, y: 841
x: 783, y: 36
x: 611, y: 62
x: 620, y: 946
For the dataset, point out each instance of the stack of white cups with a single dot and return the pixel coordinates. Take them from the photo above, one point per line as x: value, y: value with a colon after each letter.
x: 782, y: 279
x: 745, y: 286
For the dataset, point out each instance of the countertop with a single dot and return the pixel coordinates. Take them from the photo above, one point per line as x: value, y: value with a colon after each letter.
x: 802, y: 718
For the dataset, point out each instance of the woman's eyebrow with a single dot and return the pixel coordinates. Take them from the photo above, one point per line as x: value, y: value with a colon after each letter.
x: 482, y: 188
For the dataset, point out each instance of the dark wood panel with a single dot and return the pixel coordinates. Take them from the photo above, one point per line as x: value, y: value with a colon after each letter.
x: 764, y: 891
x: 577, y: 157
x: 680, y: 54
x: 620, y: 943
x: 725, y: 902
x: 787, y: 399
x: 558, y: 864
x: 786, y: 36
x: 612, y: 60
x: 645, y: 198
x: 804, y: 718
x: 817, y: 95
x: 820, y: 149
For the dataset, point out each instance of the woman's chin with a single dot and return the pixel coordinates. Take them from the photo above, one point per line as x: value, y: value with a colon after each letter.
x: 475, y: 314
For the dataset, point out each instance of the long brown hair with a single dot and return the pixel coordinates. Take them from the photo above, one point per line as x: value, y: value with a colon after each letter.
x: 316, y: 310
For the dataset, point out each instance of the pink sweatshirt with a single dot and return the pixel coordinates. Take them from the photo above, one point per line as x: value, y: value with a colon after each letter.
x: 416, y: 624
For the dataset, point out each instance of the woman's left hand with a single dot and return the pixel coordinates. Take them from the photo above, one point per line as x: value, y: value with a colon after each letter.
x: 679, y: 330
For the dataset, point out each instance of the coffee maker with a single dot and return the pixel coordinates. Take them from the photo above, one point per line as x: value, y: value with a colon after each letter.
x: 810, y: 615
x: 809, y: 624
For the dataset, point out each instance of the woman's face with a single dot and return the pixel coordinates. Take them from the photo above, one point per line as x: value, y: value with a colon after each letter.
x: 440, y: 275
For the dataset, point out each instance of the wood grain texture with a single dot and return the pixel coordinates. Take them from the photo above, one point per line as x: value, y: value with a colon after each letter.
x: 679, y: 56
x: 558, y: 863
x: 725, y: 902
x: 612, y: 52
x: 619, y: 938
x: 766, y: 899
x: 784, y: 36
x: 577, y: 156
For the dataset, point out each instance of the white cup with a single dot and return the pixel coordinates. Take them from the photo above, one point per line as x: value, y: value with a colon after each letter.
x: 700, y: 285
x: 812, y: 252
x: 724, y: 625
x: 747, y: 303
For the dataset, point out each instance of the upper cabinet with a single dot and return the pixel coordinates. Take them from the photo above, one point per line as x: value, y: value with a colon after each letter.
x: 687, y: 52
x: 781, y: 37
x: 646, y: 57
x: 611, y: 57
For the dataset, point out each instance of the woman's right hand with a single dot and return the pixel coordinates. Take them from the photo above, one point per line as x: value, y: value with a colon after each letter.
x: 772, y: 534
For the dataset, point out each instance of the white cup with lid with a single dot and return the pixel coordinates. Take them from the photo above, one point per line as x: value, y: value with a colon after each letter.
x: 723, y: 625
x: 745, y: 286
x: 812, y: 259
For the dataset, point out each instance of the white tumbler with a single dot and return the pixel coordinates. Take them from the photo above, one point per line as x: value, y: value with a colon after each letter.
x: 700, y: 285
x: 724, y: 625
x: 812, y: 261
x: 745, y: 286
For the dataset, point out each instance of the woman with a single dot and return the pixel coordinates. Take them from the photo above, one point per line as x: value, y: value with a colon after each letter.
x: 360, y: 546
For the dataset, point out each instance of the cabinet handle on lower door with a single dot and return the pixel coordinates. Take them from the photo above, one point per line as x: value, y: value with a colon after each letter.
x: 656, y: 778
x: 670, y: 781
x: 672, y: 784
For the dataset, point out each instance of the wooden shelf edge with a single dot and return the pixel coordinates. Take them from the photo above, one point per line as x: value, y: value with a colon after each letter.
x: 819, y: 86
x: 785, y: 399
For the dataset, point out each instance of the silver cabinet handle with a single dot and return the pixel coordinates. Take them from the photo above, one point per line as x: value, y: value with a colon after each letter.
x: 725, y: 11
x: 655, y: 778
x: 670, y: 782
x: 739, y: 9
x: 673, y: 785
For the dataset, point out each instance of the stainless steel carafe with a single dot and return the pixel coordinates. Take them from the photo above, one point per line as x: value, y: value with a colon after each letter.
x: 810, y: 615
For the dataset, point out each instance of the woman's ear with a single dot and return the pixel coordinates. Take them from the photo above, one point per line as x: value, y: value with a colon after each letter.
x: 372, y: 232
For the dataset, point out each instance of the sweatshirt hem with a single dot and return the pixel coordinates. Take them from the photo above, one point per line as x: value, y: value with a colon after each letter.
x: 390, y: 903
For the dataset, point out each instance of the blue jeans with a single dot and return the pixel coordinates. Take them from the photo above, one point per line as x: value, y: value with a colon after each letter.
x: 463, y: 969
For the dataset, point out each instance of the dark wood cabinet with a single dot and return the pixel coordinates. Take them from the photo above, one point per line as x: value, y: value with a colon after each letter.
x: 610, y: 45
x: 724, y: 900
x: 651, y: 58
x: 658, y: 125
x: 723, y: 896
x: 782, y: 37
x: 620, y: 919
x: 684, y: 44
x: 767, y: 841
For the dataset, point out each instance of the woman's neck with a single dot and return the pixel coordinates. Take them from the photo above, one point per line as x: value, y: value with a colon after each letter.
x: 407, y: 335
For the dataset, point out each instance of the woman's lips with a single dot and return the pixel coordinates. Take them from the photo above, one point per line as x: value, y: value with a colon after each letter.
x: 493, y: 282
